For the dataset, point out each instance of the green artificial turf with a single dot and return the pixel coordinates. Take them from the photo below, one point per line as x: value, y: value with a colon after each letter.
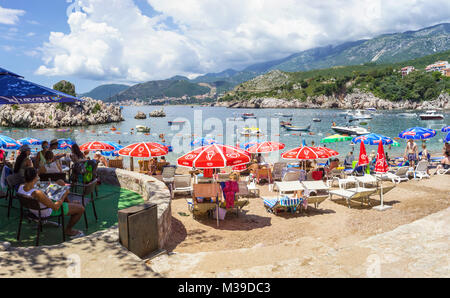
x: 110, y: 199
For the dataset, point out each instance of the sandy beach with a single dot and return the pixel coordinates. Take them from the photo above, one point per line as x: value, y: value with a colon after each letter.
x: 258, y: 238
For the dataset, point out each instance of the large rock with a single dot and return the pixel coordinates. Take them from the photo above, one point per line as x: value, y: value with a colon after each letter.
x: 86, y: 112
x: 140, y: 115
x: 158, y: 113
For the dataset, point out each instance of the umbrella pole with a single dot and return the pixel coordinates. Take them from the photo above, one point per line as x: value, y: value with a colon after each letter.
x: 381, y: 207
x: 131, y: 164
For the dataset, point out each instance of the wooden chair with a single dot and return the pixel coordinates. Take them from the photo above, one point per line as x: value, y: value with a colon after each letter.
x: 205, y: 191
x: 265, y: 174
x: 115, y: 163
x: 30, y: 203
x: 144, y: 166
x: 86, y: 196
x: 278, y: 170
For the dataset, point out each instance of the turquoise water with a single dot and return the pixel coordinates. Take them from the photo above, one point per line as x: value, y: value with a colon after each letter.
x: 212, y: 122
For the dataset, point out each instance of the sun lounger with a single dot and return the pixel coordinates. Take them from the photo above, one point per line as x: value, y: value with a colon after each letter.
x: 400, y: 174
x: 289, y: 186
x: 345, y: 181
x: 264, y: 174
x: 316, y: 192
x: 353, y: 194
x: 277, y: 172
x: 442, y: 171
x: 291, y: 176
x: 182, y: 183
x: 367, y: 179
x: 277, y: 205
x: 421, y: 170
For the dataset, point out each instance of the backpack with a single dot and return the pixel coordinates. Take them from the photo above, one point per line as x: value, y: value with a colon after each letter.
x: 90, y: 169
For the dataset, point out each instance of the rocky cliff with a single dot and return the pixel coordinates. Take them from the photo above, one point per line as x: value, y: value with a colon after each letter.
x: 86, y: 112
x: 355, y: 100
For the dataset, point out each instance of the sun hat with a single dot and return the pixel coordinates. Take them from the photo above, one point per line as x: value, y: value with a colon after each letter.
x: 25, y: 148
x: 53, y: 142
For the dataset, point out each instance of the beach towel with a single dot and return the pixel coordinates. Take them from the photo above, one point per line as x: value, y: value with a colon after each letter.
x: 270, y: 202
x: 230, y: 190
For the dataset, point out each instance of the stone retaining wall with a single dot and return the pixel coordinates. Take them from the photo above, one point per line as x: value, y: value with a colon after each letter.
x: 151, y: 189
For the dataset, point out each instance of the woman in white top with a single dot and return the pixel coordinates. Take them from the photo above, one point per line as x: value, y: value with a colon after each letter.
x: 51, y: 164
x: 53, y: 208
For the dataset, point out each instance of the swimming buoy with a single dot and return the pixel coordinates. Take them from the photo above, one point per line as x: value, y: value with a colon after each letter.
x: 117, y: 132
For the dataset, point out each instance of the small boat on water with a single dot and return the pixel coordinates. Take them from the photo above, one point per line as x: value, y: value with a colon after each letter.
x: 371, y: 109
x: 142, y: 128
x: 407, y: 115
x: 298, y: 128
x: 350, y: 130
x: 359, y: 115
x: 250, y: 131
x: 285, y: 123
x: 317, y: 120
x: 431, y: 115
x: 176, y: 122
x: 248, y: 116
x: 283, y: 115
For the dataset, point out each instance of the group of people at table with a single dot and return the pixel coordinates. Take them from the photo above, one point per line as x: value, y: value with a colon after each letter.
x: 28, y: 168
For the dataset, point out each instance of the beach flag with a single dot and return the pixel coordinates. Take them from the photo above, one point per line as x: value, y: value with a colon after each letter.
x: 363, y: 158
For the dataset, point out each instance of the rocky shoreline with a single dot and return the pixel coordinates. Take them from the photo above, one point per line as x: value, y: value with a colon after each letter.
x: 355, y: 100
x: 86, y: 112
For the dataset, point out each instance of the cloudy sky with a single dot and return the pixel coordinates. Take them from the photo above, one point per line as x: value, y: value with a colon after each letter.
x: 91, y: 42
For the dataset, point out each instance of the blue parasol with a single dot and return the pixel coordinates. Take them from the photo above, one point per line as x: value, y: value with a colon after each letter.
x: 249, y: 144
x: 447, y: 138
x: 8, y: 143
x: 29, y: 141
x: 65, y: 143
x: 202, y: 142
x: 373, y: 139
x: 116, y: 146
x: 15, y: 90
x: 417, y: 133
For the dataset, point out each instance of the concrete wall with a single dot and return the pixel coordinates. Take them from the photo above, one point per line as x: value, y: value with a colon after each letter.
x: 151, y: 189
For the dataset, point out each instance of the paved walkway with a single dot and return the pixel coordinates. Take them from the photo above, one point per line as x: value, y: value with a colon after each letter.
x: 418, y: 249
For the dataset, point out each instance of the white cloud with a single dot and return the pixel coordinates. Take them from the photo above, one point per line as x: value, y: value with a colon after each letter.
x: 113, y: 40
x: 10, y: 16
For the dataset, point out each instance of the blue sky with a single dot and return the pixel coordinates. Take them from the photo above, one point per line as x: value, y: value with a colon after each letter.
x: 130, y: 41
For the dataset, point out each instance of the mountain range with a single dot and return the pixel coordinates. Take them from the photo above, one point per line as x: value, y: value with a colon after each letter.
x: 387, y: 48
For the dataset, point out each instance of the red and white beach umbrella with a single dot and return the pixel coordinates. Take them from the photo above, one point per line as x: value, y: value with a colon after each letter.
x: 307, y: 153
x: 144, y: 150
x: 381, y: 166
x: 214, y: 156
x: 97, y: 146
x: 330, y: 151
x: 266, y: 147
x: 363, y: 158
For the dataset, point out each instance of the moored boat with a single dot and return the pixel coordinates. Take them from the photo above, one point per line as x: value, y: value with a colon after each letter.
x: 350, y: 130
x: 298, y: 128
x: 431, y: 115
x: 248, y: 116
x: 142, y: 128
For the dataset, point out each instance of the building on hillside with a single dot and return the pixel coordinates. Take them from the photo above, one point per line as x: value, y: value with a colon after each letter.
x: 447, y: 72
x: 407, y: 70
x: 440, y: 66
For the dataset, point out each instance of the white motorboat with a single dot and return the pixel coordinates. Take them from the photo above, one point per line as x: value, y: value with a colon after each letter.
x: 407, y: 115
x: 350, y: 130
x: 431, y: 115
x: 142, y: 128
x: 360, y: 115
x: 283, y: 115
x: 298, y: 128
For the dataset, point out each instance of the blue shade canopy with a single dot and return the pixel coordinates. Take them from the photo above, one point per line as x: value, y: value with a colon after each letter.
x: 29, y: 141
x: 446, y: 129
x: 15, y: 90
x: 417, y: 133
x: 373, y: 139
x: 249, y: 144
x: 447, y: 138
x: 202, y: 142
x: 116, y: 146
x: 65, y: 143
x: 8, y: 143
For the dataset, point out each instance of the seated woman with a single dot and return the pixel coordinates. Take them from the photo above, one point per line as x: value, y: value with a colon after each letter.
x: 100, y: 159
x: 53, y: 208
x: 76, y: 154
x: 445, y: 163
x: 51, y: 164
x: 23, y: 161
